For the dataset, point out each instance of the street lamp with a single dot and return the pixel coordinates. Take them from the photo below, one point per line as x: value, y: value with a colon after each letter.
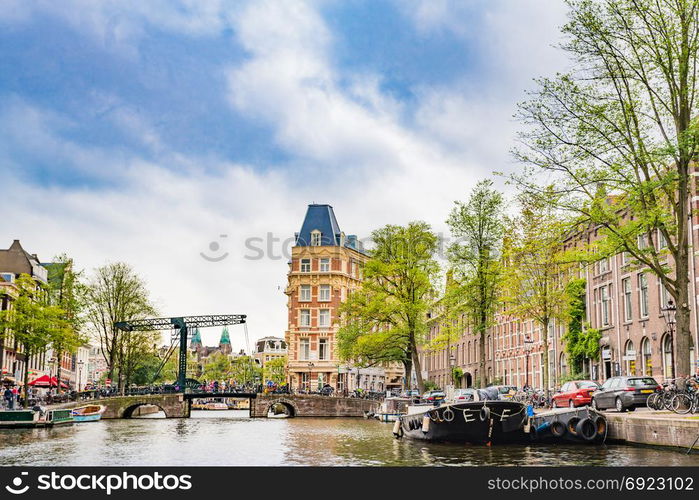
x: 80, y: 373
x: 528, y: 343
x: 669, y: 315
x: 452, y: 363
x: 310, y: 372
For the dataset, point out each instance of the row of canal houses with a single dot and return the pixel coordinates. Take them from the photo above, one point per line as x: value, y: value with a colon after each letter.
x: 623, y: 300
x: 75, y: 367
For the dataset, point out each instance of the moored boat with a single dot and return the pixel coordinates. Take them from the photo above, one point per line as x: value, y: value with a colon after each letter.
x: 33, y: 418
x: 88, y: 413
x: 476, y: 422
x: 576, y: 425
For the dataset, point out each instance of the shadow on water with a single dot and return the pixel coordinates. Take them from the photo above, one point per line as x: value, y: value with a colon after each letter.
x: 232, y: 438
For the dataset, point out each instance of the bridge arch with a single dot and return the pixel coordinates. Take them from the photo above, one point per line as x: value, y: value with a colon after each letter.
x: 127, y: 411
x: 291, y: 408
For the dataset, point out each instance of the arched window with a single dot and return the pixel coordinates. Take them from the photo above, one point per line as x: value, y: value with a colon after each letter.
x: 666, y: 349
x: 646, y: 360
x: 468, y: 353
x: 629, y: 358
x: 315, y: 238
x: 563, y: 365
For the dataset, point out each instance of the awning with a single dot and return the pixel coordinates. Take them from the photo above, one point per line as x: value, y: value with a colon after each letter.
x: 45, y: 381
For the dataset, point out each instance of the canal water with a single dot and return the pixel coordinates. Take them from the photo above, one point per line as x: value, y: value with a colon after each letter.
x: 231, y: 438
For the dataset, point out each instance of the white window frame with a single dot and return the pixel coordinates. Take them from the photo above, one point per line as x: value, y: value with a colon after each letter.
x: 604, y: 301
x: 305, y: 266
x: 305, y: 293
x: 324, y: 265
x: 316, y: 238
x: 323, y: 349
x: 324, y: 314
x: 304, y: 349
x: 643, y: 296
x: 324, y: 293
x: 628, y: 301
x: 662, y: 242
x: 305, y: 314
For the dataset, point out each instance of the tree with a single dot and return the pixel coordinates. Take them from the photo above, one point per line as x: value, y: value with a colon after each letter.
x: 581, y: 341
x: 619, y: 134
x: 385, y: 319
x: 537, y: 271
x: 116, y: 293
x: 475, y: 259
x: 32, y: 322
x: 65, y: 292
x: 244, y: 370
x: 217, y: 366
x: 274, y: 370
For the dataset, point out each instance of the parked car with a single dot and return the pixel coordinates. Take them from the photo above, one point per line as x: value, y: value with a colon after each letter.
x: 575, y: 393
x: 464, y: 395
x: 506, y: 391
x: 434, y: 396
x: 624, y: 393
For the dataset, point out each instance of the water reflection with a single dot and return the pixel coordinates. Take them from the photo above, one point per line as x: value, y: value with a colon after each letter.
x: 231, y: 438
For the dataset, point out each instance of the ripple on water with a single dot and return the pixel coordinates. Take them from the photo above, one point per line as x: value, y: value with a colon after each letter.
x: 230, y: 438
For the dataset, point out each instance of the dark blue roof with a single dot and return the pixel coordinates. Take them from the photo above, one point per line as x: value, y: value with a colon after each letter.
x: 322, y: 218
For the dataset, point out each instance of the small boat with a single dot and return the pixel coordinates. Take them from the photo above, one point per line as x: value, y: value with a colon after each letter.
x: 392, y: 409
x: 216, y: 406
x: 34, y: 418
x: 89, y: 413
x: 475, y: 422
x: 575, y: 425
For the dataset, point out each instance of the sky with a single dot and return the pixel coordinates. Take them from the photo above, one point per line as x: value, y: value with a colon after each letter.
x: 187, y: 137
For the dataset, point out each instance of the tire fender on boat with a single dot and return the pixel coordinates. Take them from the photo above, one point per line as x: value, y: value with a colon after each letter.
x: 572, y: 425
x: 586, y: 429
x: 425, y: 424
x: 484, y: 413
x: 558, y: 429
x: 601, y: 426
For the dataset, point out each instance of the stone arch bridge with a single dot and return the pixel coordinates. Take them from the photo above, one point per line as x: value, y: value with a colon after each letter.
x: 179, y: 405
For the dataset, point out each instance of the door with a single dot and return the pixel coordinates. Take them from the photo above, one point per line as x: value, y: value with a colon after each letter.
x: 603, y: 396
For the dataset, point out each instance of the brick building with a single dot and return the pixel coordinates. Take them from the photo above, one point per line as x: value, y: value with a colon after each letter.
x: 325, y: 266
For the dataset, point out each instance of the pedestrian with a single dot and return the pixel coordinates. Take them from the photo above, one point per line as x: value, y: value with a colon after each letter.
x: 15, y: 395
x: 8, y: 397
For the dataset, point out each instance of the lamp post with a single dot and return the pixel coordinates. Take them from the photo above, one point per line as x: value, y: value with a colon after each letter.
x: 528, y: 342
x: 310, y: 372
x: 452, y: 364
x: 80, y: 374
x: 670, y: 320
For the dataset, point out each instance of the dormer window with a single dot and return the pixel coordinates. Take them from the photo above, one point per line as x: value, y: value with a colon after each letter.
x: 315, y: 238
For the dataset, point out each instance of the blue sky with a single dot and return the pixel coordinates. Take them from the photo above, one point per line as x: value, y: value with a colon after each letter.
x: 143, y: 131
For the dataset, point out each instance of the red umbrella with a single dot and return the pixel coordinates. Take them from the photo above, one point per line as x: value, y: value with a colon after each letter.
x: 45, y: 381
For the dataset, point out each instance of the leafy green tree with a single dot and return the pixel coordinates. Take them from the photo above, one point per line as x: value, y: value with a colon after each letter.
x: 537, y: 269
x: 619, y: 133
x: 116, y: 293
x: 244, y: 370
x: 385, y: 319
x: 217, y: 366
x: 581, y: 341
x: 275, y: 370
x: 478, y: 228
x: 32, y: 322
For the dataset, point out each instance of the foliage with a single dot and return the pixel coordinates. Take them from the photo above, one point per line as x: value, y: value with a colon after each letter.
x: 535, y: 287
x: 32, y: 321
x: 581, y: 342
x: 457, y: 373
x: 217, y: 366
x: 475, y: 259
x: 429, y: 385
x: 618, y: 134
x: 116, y: 293
x: 384, y: 320
x: 274, y: 370
x: 569, y: 377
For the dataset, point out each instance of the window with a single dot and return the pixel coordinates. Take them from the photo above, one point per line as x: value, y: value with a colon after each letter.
x: 305, y: 293
x: 316, y: 238
x: 304, y: 349
x: 643, y: 294
x: 642, y: 241
x: 305, y: 265
x: 630, y: 358
x: 646, y: 354
x: 324, y: 265
x: 604, y: 298
x: 324, y: 293
x: 305, y: 317
x: 625, y: 258
x: 9, y: 277
x: 628, y: 312
x: 664, y: 295
x: 662, y: 242
x: 324, y: 317
x: 667, y: 357
x: 603, y: 266
x: 323, y: 349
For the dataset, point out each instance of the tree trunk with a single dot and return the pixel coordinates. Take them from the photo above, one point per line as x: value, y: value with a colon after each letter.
x: 416, y: 366
x: 683, y: 334
x: 545, y: 345
x: 481, y: 346
x: 408, y: 367
x: 59, y: 358
x: 25, y: 403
